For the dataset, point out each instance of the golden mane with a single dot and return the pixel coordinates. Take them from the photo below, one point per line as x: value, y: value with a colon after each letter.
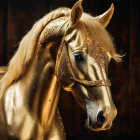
x: 101, y: 35
x: 27, y: 48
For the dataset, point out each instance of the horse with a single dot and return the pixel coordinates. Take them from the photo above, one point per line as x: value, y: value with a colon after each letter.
x: 66, y: 49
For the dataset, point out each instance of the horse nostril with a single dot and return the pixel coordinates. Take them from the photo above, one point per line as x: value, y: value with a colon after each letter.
x: 100, y: 117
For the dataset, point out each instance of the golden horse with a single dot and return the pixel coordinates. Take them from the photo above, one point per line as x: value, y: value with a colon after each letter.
x: 67, y: 49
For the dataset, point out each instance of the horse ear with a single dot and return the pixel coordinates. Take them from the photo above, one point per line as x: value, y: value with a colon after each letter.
x: 76, y: 12
x: 105, y: 18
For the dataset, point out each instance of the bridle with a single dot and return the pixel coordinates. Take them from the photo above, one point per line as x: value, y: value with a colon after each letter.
x: 97, y: 83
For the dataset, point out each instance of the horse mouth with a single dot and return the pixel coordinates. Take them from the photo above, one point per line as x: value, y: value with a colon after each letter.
x: 98, y: 127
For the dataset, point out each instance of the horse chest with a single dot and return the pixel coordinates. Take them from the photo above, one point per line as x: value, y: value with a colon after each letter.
x: 19, y: 121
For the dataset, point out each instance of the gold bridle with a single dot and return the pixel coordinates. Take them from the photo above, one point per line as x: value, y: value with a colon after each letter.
x: 97, y: 83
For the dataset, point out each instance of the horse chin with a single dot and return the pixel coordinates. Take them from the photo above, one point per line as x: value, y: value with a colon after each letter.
x: 97, y: 129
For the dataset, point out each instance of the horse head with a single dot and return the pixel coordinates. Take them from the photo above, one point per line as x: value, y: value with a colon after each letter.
x: 67, y: 48
x: 82, y: 65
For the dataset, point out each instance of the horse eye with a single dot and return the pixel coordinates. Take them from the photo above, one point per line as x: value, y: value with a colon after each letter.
x: 78, y: 57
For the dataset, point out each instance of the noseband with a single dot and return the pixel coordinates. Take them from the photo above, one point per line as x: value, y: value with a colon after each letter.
x: 97, y: 83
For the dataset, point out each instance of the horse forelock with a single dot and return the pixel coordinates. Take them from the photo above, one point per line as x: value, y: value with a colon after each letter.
x: 27, y: 49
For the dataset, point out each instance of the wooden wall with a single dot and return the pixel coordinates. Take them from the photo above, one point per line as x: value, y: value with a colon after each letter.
x: 18, y: 16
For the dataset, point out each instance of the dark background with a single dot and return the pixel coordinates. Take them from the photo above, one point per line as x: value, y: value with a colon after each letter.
x: 18, y: 16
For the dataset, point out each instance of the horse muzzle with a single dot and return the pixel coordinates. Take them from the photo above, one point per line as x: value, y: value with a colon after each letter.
x: 102, y: 120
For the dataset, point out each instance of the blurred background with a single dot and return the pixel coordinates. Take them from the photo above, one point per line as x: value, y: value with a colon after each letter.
x: 18, y: 16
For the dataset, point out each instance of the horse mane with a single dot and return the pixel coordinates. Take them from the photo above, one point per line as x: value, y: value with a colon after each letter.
x: 27, y: 48
x: 101, y: 35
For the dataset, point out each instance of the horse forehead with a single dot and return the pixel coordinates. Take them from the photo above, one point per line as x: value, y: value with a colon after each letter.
x: 85, y: 34
x: 80, y: 37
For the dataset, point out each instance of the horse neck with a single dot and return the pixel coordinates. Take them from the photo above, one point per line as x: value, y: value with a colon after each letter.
x: 38, y: 87
x: 41, y: 87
